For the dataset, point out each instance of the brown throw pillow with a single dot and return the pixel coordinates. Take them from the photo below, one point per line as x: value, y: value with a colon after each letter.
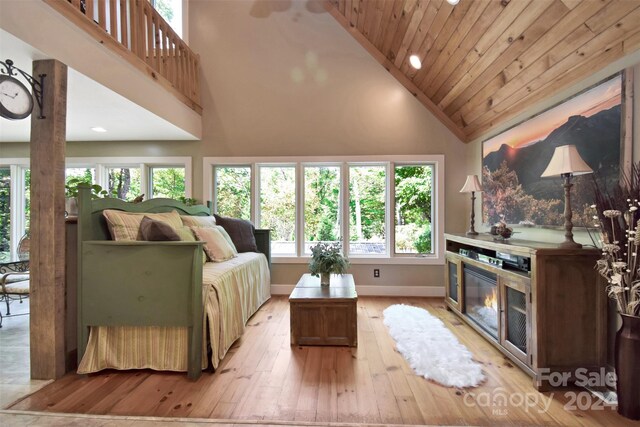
x: 157, y: 231
x: 241, y: 233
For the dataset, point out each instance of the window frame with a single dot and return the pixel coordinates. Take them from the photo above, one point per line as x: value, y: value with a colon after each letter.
x: 303, y: 201
x: 255, y: 209
x: 393, y: 221
x: 145, y: 164
x: 19, y: 165
x: 437, y: 162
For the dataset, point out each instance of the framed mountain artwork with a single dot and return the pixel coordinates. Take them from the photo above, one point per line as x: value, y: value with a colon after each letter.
x: 513, y: 161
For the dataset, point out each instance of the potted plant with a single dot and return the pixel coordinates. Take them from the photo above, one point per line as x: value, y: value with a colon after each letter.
x: 71, y: 193
x: 618, y: 218
x: 327, y: 259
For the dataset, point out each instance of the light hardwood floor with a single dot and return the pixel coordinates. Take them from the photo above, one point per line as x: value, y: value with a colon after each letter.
x: 264, y: 378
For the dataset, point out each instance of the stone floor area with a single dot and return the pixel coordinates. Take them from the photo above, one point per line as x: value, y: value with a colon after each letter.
x: 15, y: 380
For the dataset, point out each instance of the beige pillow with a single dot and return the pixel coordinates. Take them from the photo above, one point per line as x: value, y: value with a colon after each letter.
x: 227, y: 238
x: 186, y: 235
x: 126, y: 225
x: 215, y: 245
x: 198, y: 221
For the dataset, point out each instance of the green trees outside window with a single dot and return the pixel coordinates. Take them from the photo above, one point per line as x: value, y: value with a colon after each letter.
x: 233, y: 191
x: 278, y: 206
x: 321, y: 205
x: 125, y: 182
x: 168, y: 182
x: 367, y: 209
x: 413, y: 190
x: 5, y: 212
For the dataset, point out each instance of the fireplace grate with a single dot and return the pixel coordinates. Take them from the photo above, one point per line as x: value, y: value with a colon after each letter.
x: 517, y: 319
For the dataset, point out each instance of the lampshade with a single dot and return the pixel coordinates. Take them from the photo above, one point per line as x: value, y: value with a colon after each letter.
x: 566, y: 160
x: 471, y: 184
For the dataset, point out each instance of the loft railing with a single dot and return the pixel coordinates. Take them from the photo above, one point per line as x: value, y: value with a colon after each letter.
x: 137, y: 27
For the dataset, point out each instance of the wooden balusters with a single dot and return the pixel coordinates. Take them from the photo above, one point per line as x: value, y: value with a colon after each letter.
x: 137, y: 26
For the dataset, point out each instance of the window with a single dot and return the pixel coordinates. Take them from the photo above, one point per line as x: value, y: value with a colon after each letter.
x: 278, y: 207
x: 367, y: 210
x: 27, y: 198
x: 171, y: 11
x: 384, y: 209
x: 5, y: 212
x: 124, y: 182
x: 321, y: 205
x: 232, y: 189
x: 413, y: 191
x: 131, y: 175
x: 85, y: 174
x: 167, y: 182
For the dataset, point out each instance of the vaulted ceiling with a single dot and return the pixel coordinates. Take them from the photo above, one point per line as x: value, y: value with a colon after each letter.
x: 486, y: 61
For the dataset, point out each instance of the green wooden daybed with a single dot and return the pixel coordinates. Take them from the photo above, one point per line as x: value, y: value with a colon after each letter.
x: 140, y: 283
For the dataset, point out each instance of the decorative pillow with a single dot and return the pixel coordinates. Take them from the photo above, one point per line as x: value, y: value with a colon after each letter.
x: 186, y: 235
x: 215, y: 245
x: 227, y: 238
x: 157, y: 231
x: 198, y: 221
x: 241, y: 233
x: 126, y: 225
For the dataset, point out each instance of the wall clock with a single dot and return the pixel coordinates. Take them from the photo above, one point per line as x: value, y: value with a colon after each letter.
x: 16, y: 101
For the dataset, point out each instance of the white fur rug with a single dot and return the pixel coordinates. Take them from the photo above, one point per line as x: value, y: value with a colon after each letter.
x: 430, y: 348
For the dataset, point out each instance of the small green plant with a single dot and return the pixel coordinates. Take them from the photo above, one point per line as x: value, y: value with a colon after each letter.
x: 71, y: 189
x: 188, y: 200
x: 327, y: 258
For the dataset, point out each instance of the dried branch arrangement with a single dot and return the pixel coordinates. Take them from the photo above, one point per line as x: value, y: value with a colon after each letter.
x: 617, y: 215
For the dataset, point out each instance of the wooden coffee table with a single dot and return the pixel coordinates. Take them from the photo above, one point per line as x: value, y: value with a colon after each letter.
x: 324, y: 315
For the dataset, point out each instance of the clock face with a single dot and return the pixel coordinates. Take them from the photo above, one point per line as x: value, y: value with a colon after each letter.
x: 16, y: 101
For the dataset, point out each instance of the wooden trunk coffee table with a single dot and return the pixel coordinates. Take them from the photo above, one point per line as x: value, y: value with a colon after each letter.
x: 324, y: 315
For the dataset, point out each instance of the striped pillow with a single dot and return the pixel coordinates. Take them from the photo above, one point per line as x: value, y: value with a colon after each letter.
x: 186, y: 235
x: 198, y: 221
x: 227, y: 238
x: 215, y: 245
x: 126, y: 225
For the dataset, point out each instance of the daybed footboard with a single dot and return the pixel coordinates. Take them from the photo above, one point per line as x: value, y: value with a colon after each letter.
x: 141, y: 283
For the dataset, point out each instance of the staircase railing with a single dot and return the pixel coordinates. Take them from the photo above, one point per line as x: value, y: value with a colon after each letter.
x: 137, y: 27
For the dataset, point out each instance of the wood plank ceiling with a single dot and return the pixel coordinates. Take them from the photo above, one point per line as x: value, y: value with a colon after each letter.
x: 486, y: 61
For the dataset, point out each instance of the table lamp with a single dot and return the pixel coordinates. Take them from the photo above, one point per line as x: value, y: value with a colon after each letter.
x: 566, y: 163
x: 471, y: 185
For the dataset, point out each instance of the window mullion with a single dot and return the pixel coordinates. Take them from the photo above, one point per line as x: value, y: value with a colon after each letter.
x: 256, y: 195
x: 299, y: 233
x: 146, y: 181
x: 391, y: 210
x: 17, y: 206
x: 344, y: 207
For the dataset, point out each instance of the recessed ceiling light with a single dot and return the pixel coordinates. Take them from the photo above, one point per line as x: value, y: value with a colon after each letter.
x: 415, y: 62
x: 98, y: 129
x: 453, y: 2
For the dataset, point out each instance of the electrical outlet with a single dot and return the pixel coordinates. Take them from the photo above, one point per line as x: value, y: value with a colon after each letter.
x: 376, y: 272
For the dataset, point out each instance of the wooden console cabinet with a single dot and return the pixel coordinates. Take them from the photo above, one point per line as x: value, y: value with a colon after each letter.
x: 550, y: 319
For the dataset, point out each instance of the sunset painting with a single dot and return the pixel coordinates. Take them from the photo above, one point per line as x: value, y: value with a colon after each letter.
x: 513, y: 161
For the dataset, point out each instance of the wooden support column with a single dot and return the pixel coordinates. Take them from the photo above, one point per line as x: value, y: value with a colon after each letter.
x: 47, y: 256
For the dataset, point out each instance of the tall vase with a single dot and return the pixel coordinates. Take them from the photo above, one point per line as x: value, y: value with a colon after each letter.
x: 325, y: 279
x: 628, y: 367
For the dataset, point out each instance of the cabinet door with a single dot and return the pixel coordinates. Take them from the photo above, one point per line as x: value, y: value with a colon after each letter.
x: 515, y: 316
x: 453, y: 282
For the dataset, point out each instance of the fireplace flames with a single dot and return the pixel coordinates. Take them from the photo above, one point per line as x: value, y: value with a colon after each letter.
x: 491, y: 301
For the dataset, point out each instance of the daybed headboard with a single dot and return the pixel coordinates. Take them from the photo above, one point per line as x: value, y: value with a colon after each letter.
x: 96, y: 228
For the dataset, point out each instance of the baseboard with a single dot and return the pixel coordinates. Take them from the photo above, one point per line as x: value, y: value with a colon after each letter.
x: 386, y: 291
